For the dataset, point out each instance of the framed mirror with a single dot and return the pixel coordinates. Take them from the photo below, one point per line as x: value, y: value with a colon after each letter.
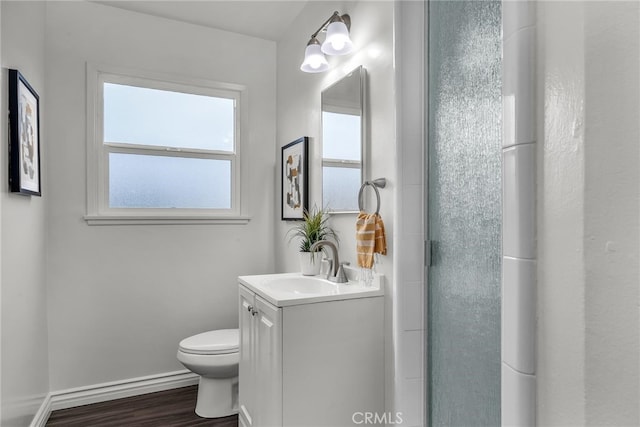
x: 343, y: 142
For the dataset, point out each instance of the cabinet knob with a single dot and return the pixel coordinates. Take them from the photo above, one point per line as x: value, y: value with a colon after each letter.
x: 252, y: 310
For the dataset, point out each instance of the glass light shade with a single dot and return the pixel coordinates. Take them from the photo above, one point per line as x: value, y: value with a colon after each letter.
x: 337, y: 41
x: 314, y: 60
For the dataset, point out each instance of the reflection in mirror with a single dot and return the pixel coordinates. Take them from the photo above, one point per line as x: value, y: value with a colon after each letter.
x: 342, y: 142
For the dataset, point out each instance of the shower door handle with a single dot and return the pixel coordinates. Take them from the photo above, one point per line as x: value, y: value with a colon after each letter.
x: 429, y: 251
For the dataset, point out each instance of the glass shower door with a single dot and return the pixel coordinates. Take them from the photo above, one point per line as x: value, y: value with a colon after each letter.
x: 464, y: 212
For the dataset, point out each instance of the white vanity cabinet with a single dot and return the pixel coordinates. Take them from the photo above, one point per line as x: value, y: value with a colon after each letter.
x: 260, y: 361
x: 309, y: 362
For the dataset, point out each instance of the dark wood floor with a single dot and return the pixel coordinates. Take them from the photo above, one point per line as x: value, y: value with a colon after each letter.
x: 171, y: 408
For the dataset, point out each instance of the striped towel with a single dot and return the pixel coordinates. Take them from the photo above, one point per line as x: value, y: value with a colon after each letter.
x: 370, y: 238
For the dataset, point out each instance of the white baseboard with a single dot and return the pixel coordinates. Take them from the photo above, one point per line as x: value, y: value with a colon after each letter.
x: 63, y: 399
x: 41, y: 417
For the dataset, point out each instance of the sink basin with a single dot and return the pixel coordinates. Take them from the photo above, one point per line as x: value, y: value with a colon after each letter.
x: 302, y: 285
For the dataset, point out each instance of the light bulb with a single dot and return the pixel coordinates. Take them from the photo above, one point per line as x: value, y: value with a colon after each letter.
x: 338, y: 44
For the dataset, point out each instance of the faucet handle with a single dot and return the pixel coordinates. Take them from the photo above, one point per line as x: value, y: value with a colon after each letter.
x: 341, y: 276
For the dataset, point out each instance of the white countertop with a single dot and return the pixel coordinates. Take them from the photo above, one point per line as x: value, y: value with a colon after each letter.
x: 309, y: 289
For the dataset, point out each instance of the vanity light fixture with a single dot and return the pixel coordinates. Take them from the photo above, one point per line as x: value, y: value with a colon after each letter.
x: 337, y: 42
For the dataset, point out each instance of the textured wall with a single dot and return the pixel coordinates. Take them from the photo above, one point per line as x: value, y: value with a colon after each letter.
x: 587, y: 357
x: 612, y: 214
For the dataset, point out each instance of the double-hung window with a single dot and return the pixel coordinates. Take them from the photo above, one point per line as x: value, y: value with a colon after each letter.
x: 163, y: 149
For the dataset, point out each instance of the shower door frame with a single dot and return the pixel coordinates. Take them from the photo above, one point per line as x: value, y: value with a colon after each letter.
x: 429, y: 249
x: 518, y: 391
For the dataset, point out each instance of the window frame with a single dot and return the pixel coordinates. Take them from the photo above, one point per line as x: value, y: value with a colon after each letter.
x: 98, y: 210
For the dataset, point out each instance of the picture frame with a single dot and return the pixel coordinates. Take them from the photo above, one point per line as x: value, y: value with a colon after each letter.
x: 24, y: 136
x: 295, y: 179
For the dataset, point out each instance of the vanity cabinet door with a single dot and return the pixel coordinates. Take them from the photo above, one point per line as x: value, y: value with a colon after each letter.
x: 247, y: 358
x: 260, y: 366
x: 268, y: 378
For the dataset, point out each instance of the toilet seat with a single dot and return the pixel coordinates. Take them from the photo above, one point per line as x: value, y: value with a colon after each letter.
x: 222, y: 341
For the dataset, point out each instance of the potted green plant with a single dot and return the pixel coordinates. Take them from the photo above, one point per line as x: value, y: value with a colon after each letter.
x: 313, y: 228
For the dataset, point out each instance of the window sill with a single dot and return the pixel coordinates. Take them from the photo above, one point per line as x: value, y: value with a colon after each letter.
x: 164, y: 220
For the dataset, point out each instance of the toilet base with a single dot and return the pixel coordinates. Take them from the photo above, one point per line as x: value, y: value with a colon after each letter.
x: 217, y: 397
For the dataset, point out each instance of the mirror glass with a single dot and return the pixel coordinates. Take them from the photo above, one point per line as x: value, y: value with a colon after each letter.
x: 343, y: 142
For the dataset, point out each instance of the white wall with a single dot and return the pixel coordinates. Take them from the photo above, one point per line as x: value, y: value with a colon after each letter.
x: 612, y: 212
x: 122, y: 297
x: 298, y: 114
x: 299, y: 109
x: 25, y: 377
x: 588, y: 189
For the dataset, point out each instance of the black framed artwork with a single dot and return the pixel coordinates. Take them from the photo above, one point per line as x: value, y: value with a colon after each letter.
x: 295, y: 179
x: 24, y: 136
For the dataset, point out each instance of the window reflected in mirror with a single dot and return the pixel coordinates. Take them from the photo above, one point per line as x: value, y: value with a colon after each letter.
x: 342, y: 142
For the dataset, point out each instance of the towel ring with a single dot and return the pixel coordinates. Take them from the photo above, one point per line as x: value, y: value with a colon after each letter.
x: 380, y: 182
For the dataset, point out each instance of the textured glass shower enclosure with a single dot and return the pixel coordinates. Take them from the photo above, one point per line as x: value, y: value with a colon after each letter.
x: 464, y: 212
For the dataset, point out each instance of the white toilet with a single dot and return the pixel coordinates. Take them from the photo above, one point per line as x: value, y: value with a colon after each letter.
x: 214, y: 355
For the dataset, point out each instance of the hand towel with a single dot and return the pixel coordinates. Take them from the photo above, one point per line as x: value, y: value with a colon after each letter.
x: 370, y: 238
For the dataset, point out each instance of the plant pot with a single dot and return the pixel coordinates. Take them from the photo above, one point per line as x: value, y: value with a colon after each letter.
x: 310, y: 263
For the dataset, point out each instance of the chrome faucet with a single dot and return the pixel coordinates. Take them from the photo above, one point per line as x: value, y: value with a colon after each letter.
x: 337, y: 275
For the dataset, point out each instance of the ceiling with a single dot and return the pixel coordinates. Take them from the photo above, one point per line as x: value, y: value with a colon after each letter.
x: 266, y: 19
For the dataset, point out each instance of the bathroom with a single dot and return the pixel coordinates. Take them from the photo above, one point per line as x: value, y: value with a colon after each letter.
x: 85, y: 306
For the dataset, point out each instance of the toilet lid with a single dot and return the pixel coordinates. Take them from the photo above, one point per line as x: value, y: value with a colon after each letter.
x: 221, y: 341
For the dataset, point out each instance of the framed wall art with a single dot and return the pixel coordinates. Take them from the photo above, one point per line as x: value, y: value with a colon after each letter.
x: 295, y: 179
x: 24, y: 136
